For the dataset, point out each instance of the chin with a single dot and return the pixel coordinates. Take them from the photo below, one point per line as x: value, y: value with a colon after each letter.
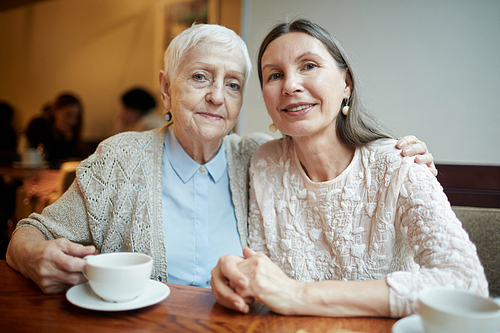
x: 212, y: 135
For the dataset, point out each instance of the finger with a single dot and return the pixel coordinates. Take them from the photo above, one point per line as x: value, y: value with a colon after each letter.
x: 76, y: 249
x: 405, y: 141
x: 225, y: 295
x: 419, y: 148
x: 55, y: 275
x: 229, y: 269
x: 424, y: 159
x: 248, y: 252
x: 70, y: 257
x: 429, y: 161
x: 60, y: 282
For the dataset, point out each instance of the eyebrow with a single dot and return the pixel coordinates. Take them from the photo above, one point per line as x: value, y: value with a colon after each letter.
x: 295, y: 60
x: 229, y: 71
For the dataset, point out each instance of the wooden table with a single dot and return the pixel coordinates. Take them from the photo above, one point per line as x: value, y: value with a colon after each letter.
x: 24, y: 308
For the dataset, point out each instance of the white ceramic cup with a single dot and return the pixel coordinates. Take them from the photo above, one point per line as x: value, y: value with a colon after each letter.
x: 457, y: 311
x: 31, y: 157
x: 118, y: 276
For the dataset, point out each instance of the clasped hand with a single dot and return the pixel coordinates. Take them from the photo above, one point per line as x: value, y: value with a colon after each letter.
x: 238, y: 282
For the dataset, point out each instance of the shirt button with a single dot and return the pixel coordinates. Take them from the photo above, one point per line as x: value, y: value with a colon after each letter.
x: 202, y: 170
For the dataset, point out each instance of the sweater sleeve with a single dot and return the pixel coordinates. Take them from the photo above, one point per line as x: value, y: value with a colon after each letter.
x: 441, y: 247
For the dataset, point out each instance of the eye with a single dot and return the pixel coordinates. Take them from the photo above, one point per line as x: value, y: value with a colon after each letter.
x: 275, y: 76
x: 199, y: 77
x: 310, y: 66
x: 234, y: 86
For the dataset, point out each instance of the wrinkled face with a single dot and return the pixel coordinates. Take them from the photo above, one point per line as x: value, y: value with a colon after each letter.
x: 206, y: 95
x: 303, y: 86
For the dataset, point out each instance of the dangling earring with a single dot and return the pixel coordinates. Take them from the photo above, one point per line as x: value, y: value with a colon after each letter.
x: 345, y: 109
x: 273, y: 128
x: 168, y: 116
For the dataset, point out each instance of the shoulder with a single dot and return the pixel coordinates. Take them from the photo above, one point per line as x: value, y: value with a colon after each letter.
x: 128, y: 146
x: 383, y: 146
x: 139, y: 139
x: 382, y: 151
x: 276, y: 153
x: 274, y: 148
x: 382, y: 157
x: 246, y: 144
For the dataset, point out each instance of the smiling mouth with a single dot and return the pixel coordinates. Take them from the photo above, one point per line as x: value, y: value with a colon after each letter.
x: 299, y: 108
x: 210, y: 115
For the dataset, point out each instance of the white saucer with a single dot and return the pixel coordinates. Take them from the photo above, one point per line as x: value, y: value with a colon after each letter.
x: 410, y: 324
x: 83, y: 296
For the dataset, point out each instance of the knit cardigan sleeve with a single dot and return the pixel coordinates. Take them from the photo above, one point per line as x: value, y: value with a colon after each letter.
x: 115, y: 201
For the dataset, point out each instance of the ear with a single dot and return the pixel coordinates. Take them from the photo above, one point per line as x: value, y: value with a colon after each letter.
x: 348, y: 84
x: 165, y: 89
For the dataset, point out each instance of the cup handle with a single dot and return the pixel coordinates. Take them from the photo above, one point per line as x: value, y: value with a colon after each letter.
x: 85, y: 268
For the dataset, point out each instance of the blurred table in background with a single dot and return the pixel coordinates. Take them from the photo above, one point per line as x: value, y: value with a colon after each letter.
x: 33, y: 192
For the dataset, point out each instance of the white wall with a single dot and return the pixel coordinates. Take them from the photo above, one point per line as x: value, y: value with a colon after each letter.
x: 429, y: 68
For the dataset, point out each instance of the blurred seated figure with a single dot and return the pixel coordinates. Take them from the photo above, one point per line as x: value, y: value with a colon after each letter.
x: 58, y: 132
x: 138, y: 112
x: 8, y: 136
x: 8, y: 153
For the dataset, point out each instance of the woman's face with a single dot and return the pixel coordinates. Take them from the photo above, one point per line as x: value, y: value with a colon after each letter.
x: 206, y: 95
x: 66, y: 118
x: 303, y: 86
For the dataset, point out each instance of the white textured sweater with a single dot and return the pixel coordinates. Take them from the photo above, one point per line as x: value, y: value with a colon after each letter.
x: 115, y: 201
x: 383, y: 217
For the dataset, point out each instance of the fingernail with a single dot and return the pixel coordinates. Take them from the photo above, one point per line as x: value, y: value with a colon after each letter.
x: 409, y: 151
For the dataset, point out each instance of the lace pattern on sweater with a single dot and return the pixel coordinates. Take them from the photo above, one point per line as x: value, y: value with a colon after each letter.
x: 384, y: 216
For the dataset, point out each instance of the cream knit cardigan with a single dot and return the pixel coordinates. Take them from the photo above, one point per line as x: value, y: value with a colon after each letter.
x: 115, y: 202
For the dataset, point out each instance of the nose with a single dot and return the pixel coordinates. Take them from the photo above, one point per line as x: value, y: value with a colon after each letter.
x: 215, y: 93
x: 291, y: 84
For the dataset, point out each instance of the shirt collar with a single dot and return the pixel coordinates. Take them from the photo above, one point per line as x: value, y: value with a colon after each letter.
x: 185, y: 167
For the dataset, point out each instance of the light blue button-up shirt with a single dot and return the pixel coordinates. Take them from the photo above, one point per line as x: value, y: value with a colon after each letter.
x: 199, y: 223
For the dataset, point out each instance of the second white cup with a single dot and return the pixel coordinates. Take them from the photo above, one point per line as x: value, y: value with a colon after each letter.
x: 457, y: 311
x: 118, y: 276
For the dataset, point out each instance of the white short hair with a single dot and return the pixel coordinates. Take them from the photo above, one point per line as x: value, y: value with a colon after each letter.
x: 197, y: 33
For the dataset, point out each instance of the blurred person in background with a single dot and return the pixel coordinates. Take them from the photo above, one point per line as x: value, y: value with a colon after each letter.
x: 58, y: 132
x: 138, y: 112
x: 8, y: 185
x: 8, y: 136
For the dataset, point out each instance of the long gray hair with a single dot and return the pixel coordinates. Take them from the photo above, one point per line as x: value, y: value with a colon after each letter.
x: 359, y: 127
